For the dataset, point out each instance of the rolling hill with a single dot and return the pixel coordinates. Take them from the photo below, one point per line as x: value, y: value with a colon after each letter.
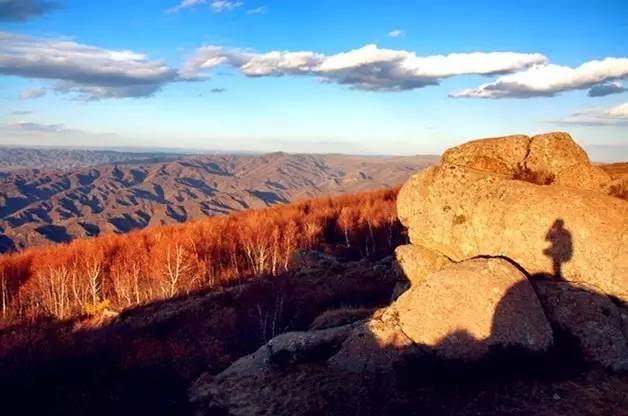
x: 38, y: 206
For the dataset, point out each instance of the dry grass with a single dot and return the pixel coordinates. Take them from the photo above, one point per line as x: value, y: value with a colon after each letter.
x: 523, y: 173
x: 342, y: 316
x: 619, y: 190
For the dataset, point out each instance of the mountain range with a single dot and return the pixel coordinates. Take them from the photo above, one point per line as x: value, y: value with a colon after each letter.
x: 116, y: 192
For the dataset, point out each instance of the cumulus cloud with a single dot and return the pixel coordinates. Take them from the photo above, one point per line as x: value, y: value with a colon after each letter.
x: 88, y: 71
x: 549, y: 80
x: 32, y: 93
x: 605, y: 89
x: 395, y: 33
x: 598, y: 116
x: 367, y: 68
x: 217, y: 6
x: 22, y: 10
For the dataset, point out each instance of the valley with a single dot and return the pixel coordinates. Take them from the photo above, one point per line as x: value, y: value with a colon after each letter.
x: 40, y: 206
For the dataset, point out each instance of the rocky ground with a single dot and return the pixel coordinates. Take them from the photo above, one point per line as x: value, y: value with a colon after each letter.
x: 512, y: 300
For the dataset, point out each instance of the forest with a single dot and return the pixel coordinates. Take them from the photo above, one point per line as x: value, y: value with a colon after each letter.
x: 88, y: 276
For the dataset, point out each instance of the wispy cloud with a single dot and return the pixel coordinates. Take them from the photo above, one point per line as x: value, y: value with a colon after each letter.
x: 217, y: 6
x: 598, y: 116
x: 25, y: 132
x: 28, y: 126
x: 220, y: 6
x: 396, y: 33
x: 32, y: 93
x: 85, y: 71
x: 549, y: 80
x: 21, y: 112
x: 257, y: 10
x: 367, y: 68
x: 186, y: 4
x: 22, y: 10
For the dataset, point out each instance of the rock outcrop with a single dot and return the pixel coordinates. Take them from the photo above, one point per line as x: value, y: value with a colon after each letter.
x: 473, y: 205
x: 467, y: 309
x: 376, y: 346
x: 417, y: 262
x: 290, y: 348
x: 546, y: 158
x: 592, y: 319
x: 511, y: 239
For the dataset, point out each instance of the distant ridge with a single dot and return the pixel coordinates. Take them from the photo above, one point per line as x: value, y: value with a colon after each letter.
x: 116, y: 192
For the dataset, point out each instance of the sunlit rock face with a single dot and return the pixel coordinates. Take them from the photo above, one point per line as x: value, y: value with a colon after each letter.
x: 466, y: 309
x: 486, y: 200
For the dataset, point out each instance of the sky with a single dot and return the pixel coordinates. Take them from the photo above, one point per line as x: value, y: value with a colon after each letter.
x: 367, y: 77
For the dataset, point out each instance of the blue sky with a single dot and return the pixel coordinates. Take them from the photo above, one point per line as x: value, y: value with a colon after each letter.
x: 205, y: 78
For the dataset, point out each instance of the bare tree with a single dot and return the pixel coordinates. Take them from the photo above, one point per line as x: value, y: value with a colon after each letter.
x: 4, y: 296
x: 176, y: 267
x: 55, y: 296
x: 93, y: 269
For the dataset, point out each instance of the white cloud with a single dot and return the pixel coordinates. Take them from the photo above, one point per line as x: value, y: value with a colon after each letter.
x: 217, y: 6
x: 90, y: 71
x: 366, y: 68
x: 598, y: 116
x: 32, y: 93
x: 257, y: 10
x: 185, y: 4
x: 220, y: 6
x: 396, y: 33
x: 549, y: 79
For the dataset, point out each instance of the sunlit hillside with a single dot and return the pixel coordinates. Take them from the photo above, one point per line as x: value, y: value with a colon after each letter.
x: 117, y: 272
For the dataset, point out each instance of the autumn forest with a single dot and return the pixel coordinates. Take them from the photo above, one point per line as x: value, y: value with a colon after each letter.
x: 89, y: 276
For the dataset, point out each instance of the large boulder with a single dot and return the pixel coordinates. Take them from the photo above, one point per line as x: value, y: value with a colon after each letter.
x: 468, y: 309
x: 502, y: 155
x: 417, y: 262
x: 545, y: 159
x: 414, y: 263
x: 572, y: 234
x: 290, y: 348
x: 376, y: 346
x: 591, y: 318
x: 566, y: 163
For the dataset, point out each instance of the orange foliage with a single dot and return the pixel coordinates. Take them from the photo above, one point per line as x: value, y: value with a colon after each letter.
x: 72, y: 279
